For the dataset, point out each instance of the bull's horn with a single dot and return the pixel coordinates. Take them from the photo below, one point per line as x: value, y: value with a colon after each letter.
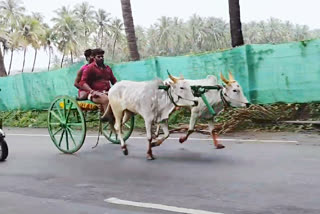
x: 224, y: 79
x: 175, y: 80
x: 230, y: 77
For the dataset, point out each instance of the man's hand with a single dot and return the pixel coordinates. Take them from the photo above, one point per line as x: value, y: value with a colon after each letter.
x: 95, y: 94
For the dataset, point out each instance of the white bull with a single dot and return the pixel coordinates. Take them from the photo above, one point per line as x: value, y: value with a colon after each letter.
x: 231, y: 94
x: 153, y: 104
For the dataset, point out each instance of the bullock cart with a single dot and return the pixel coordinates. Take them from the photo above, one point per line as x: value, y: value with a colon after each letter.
x: 67, y: 119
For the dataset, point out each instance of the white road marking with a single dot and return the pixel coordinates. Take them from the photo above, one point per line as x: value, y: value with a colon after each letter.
x: 158, y: 206
x: 175, y: 138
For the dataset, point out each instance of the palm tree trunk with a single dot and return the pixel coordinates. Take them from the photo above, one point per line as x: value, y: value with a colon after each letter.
x: 71, y: 57
x: 11, y: 57
x: 34, y: 60
x: 101, y: 41
x: 114, y: 47
x: 62, y: 60
x: 3, y: 72
x: 49, y: 58
x: 129, y: 28
x: 24, y: 58
x: 235, y: 23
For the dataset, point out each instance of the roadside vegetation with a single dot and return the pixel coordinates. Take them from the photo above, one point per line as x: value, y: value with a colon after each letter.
x: 255, y: 118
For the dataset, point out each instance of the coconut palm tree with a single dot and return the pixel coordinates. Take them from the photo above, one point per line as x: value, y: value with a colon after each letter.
x: 49, y: 40
x: 66, y: 29
x: 129, y: 29
x: 31, y: 32
x: 102, y: 20
x: 235, y: 23
x: 152, y: 44
x: 15, y: 38
x: 116, y: 29
x: 217, y: 34
x: 178, y: 35
x: 3, y: 38
x: 196, y: 32
x: 11, y: 12
x: 85, y: 13
x: 164, y: 26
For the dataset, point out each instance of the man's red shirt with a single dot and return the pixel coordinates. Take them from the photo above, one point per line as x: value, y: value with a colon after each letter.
x: 98, y: 78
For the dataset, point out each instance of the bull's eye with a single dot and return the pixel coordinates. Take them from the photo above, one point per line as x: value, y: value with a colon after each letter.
x: 234, y: 90
x: 181, y: 88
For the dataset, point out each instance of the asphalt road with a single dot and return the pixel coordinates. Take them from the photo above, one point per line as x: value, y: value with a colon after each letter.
x: 255, y: 173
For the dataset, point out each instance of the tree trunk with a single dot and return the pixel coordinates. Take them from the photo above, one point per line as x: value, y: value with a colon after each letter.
x: 24, y: 58
x: 235, y: 23
x: 71, y: 57
x: 62, y: 60
x: 34, y: 60
x: 129, y: 28
x: 3, y: 72
x: 114, y: 47
x: 101, y: 41
x: 11, y: 57
x: 49, y: 58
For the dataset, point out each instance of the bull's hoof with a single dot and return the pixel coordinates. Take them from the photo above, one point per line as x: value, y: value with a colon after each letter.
x: 150, y: 157
x: 125, y: 150
x: 182, y: 139
x: 220, y: 146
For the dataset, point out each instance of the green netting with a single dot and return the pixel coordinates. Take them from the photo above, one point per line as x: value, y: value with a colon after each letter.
x: 36, y: 90
x: 287, y: 73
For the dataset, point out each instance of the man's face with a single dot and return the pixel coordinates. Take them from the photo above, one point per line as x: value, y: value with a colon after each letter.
x: 99, y: 59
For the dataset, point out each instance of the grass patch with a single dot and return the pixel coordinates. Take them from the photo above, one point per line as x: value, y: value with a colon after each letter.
x: 258, y: 117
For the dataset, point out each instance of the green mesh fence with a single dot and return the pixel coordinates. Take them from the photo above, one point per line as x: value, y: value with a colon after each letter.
x: 287, y: 73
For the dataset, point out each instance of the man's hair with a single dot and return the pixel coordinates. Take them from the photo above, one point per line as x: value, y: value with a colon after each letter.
x: 87, y: 53
x: 97, y: 51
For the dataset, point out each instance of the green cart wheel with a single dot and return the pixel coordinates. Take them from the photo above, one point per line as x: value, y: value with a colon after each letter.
x: 66, y: 124
x: 110, y: 134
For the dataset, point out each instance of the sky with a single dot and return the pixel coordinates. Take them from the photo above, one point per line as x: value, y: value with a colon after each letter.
x: 146, y: 12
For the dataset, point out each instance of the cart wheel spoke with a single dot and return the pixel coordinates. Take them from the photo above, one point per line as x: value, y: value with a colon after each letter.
x: 56, y: 116
x: 74, y: 142
x: 57, y: 131
x: 67, y: 140
x: 61, y: 137
x: 68, y: 113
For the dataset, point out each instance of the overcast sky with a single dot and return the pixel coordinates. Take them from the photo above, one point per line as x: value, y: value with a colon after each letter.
x: 146, y: 12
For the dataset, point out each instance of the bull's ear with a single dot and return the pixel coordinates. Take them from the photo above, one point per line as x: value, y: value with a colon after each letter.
x: 230, y: 77
x: 181, y: 77
x: 224, y: 79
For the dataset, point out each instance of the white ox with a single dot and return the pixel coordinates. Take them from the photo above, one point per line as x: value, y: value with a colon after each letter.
x: 231, y: 94
x: 153, y: 104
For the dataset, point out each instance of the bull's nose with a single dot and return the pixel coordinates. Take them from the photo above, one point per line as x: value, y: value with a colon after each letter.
x: 196, y: 103
x: 248, y: 105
